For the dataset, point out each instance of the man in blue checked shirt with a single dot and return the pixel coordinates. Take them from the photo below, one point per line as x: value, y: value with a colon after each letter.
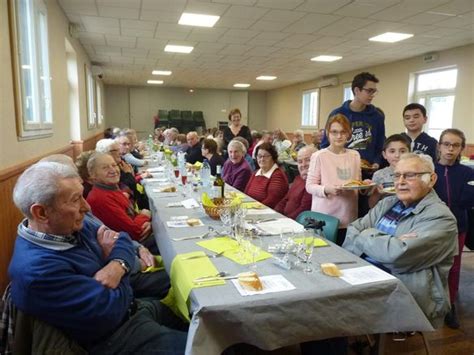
x: 412, y: 235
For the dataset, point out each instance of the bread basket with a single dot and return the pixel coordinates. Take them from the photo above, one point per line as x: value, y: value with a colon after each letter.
x: 221, y: 203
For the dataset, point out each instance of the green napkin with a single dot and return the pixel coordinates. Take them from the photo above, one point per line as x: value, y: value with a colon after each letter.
x: 318, y: 242
x: 158, y: 265
x: 183, y: 272
x: 232, y: 250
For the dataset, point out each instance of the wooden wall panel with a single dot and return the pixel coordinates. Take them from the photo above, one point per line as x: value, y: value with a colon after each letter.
x: 10, y: 216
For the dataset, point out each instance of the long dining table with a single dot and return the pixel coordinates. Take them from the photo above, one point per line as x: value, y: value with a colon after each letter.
x: 319, y: 307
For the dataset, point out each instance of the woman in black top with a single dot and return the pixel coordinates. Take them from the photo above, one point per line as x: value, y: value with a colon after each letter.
x: 236, y: 129
x: 209, y: 152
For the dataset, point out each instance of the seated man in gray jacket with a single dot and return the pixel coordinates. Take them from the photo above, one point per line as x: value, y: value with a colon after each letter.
x: 411, y: 235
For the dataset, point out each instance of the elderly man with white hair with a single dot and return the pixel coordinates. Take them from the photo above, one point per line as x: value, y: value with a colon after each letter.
x: 74, y: 275
x: 297, y: 199
x: 411, y: 235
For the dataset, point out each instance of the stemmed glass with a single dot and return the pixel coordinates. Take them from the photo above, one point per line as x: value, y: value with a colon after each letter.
x: 254, y: 247
x: 308, y: 242
x: 226, y: 218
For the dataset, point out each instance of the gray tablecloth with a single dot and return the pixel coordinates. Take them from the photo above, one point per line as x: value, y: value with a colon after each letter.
x: 320, y: 307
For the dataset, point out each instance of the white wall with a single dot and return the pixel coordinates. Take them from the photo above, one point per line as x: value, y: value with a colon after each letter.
x: 284, y: 104
x: 136, y: 106
x: 12, y: 150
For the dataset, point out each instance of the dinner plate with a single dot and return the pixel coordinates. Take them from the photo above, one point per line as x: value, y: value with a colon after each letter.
x: 471, y: 183
x: 358, y: 187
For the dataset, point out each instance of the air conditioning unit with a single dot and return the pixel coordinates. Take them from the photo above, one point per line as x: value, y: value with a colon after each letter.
x: 326, y: 81
x: 430, y: 57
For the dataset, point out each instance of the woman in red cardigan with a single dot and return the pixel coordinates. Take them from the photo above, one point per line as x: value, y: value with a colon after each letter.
x: 268, y: 184
x: 110, y: 204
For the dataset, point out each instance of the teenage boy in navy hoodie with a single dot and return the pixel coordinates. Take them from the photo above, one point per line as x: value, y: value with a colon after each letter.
x: 367, y: 121
x: 414, y: 117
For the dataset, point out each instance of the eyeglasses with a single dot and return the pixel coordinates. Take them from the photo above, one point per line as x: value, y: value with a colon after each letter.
x: 370, y: 91
x: 410, y: 176
x: 263, y: 156
x: 337, y: 133
x: 449, y: 145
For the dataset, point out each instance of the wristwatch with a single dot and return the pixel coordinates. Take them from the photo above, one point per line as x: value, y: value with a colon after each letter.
x: 123, y: 264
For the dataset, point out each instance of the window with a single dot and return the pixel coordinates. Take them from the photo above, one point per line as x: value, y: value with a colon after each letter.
x: 91, y: 102
x: 348, y: 95
x: 29, y: 28
x: 310, y: 108
x: 436, y: 91
x: 100, y: 109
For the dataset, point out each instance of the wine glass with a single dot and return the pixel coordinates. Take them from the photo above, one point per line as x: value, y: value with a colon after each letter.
x: 254, y: 248
x: 308, y: 242
x: 226, y: 217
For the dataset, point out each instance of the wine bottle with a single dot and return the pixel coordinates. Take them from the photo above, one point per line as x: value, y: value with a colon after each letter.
x: 219, y: 182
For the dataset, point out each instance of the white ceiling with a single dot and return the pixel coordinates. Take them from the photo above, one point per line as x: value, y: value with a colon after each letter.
x: 260, y: 37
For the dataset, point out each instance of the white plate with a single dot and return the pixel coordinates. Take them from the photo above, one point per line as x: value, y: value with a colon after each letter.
x: 471, y: 183
x: 358, y: 187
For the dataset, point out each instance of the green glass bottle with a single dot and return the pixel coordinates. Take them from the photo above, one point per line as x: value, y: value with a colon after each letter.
x: 219, y: 183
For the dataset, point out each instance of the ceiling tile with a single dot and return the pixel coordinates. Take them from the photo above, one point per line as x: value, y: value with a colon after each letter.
x: 296, y: 41
x: 171, y: 6
x: 160, y: 16
x: 120, y: 3
x: 151, y: 43
x: 206, y: 34
x: 365, y: 8
x: 280, y: 4
x: 200, y: 7
x: 236, y: 2
x: 93, y: 22
x: 322, y: 6
x: 283, y: 16
x: 456, y: 7
x: 78, y: 7
x: 245, y: 12
x: 311, y: 23
x: 125, y: 31
x: 459, y: 21
x: 269, y: 26
x: 118, y: 12
x: 268, y: 38
x: 406, y: 9
x: 234, y: 49
x: 234, y: 23
x: 92, y: 38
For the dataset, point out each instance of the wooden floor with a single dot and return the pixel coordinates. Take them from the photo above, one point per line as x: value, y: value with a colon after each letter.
x: 444, y: 341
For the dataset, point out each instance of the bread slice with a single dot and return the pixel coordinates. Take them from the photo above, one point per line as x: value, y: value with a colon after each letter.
x: 169, y: 189
x: 250, y: 281
x: 193, y: 222
x: 331, y: 269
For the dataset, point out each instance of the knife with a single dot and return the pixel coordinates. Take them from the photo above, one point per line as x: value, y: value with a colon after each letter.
x: 191, y: 237
x: 215, y: 278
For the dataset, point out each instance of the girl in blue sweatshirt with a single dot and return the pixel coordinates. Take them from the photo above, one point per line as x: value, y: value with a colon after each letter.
x: 454, y: 189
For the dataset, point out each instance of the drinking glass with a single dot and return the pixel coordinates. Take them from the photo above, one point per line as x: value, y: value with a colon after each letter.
x: 226, y: 218
x: 254, y: 248
x: 308, y: 242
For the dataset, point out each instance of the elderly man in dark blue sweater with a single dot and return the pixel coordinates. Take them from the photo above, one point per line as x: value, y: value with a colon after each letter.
x: 73, y: 275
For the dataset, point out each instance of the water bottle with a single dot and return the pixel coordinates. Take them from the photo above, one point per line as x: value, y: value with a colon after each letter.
x: 205, y: 175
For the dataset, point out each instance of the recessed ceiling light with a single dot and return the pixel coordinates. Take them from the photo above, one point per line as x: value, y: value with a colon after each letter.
x: 155, y: 82
x: 161, y: 72
x: 266, y: 77
x: 241, y: 85
x: 198, y: 20
x: 191, y: 90
x: 391, y: 37
x: 326, y: 58
x: 178, y: 49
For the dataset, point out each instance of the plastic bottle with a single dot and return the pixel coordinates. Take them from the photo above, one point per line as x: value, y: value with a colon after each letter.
x: 206, y: 174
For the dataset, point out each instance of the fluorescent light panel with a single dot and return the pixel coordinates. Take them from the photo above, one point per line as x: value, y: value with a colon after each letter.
x: 157, y: 82
x: 241, y: 85
x: 161, y: 72
x: 199, y: 20
x: 391, y: 37
x: 266, y: 77
x: 326, y: 58
x: 178, y: 49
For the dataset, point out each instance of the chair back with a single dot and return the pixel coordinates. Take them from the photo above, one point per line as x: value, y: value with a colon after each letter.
x: 331, y: 223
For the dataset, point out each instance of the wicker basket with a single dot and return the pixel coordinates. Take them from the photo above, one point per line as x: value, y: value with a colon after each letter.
x: 221, y: 203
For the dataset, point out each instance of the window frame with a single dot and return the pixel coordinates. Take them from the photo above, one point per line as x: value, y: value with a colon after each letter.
x: 91, y: 98
x: 426, y: 95
x: 346, y: 86
x: 318, y: 104
x: 42, y: 125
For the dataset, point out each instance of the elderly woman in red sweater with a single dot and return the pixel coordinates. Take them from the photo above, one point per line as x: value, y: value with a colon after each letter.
x: 268, y: 184
x: 111, y: 205
x: 297, y: 199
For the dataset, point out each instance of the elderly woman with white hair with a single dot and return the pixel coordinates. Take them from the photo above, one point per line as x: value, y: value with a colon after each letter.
x: 128, y: 179
x: 412, y: 235
x: 236, y: 171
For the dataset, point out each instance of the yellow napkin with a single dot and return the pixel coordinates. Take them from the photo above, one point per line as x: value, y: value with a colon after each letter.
x: 318, y: 242
x: 253, y: 205
x: 158, y: 265
x: 183, y: 272
x: 232, y: 250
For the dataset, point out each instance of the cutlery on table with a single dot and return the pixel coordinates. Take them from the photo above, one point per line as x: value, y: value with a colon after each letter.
x: 215, y: 278
x: 216, y: 255
x: 202, y: 236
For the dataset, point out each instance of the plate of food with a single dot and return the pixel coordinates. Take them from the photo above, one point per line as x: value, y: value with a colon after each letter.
x: 357, y: 185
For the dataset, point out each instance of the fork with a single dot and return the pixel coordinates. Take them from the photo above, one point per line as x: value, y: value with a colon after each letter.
x: 206, y: 255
